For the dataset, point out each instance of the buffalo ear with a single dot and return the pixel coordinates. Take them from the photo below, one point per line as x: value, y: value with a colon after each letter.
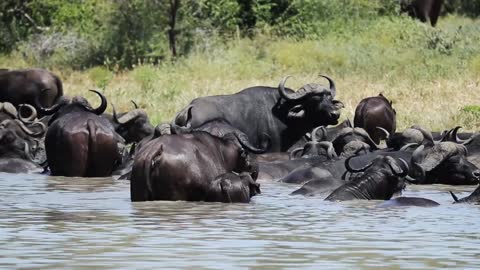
x: 296, y: 112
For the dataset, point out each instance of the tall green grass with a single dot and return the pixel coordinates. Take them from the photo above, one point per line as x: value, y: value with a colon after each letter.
x: 431, y: 74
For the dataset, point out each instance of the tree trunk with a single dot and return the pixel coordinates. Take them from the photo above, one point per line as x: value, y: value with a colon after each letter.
x: 174, y: 6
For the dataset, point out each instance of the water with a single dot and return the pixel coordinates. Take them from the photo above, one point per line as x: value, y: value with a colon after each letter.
x: 58, y: 223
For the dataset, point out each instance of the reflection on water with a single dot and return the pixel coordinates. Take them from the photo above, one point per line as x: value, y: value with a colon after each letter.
x: 48, y: 222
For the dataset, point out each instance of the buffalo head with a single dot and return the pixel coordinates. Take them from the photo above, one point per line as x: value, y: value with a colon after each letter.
x: 232, y: 188
x: 314, y: 149
x: 133, y: 126
x: 65, y: 106
x: 312, y: 103
x: 350, y: 140
x: 444, y: 163
x: 379, y: 180
x: 415, y: 134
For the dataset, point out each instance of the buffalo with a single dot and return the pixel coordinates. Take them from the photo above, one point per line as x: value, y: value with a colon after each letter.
x: 79, y: 142
x: 381, y: 179
x: 185, y: 166
x: 133, y: 126
x: 29, y: 85
x: 373, y: 113
x: 415, y: 134
x: 422, y: 9
x: 232, y: 188
x: 444, y: 163
x: 279, y: 113
x: 18, y: 144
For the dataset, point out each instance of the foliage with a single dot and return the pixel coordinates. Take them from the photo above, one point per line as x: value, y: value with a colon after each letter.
x: 125, y: 33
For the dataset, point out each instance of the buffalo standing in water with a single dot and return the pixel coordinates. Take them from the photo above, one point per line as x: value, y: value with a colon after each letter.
x: 79, y: 142
x: 184, y: 167
x: 281, y: 114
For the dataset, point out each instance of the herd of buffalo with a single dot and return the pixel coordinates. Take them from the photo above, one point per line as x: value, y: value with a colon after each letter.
x: 218, y: 148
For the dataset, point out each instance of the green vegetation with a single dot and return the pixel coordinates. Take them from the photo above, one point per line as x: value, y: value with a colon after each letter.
x: 123, y: 47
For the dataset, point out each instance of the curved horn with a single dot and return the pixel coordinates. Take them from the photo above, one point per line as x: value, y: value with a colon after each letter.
x: 51, y: 110
x: 29, y: 131
x: 350, y: 169
x: 291, y: 96
x: 460, y: 141
x: 342, y: 133
x: 103, y: 104
x: 314, y: 133
x: 408, y: 145
x: 134, y: 104
x: 411, y: 179
x: 403, y: 173
x: 363, y: 133
x: 455, y: 198
x: 292, y: 154
x: 243, y: 139
x: 33, y: 113
x: 332, y: 87
x: 443, y: 136
x: 176, y: 129
x: 10, y: 109
x: 387, y: 134
x: 426, y: 134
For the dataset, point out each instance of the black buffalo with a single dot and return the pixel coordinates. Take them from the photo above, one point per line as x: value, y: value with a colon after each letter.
x: 444, y: 163
x: 79, y: 142
x: 18, y: 143
x: 29, y: 85
x: 415, y: 134
x: 323, y: 133
x: 381, y: 178
x: 185, y: 166
x: 422, y: 9
x: 281, y: 114
x: 470, y: 140
x: 232, y: 188
x: 373, y: 113
x: 133, y: 126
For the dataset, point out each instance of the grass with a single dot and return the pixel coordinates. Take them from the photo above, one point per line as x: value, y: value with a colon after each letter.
x: 432, y: 75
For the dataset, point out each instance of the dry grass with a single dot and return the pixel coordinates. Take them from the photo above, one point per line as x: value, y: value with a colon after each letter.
x: 435, y: 104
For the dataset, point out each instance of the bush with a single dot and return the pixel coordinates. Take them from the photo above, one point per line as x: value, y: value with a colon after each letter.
x: 57, y: 50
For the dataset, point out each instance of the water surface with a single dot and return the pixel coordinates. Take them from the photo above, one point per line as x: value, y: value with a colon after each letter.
x: 59, y: 223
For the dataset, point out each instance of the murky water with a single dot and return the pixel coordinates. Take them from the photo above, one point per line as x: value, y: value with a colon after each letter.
x: 59, y: 223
